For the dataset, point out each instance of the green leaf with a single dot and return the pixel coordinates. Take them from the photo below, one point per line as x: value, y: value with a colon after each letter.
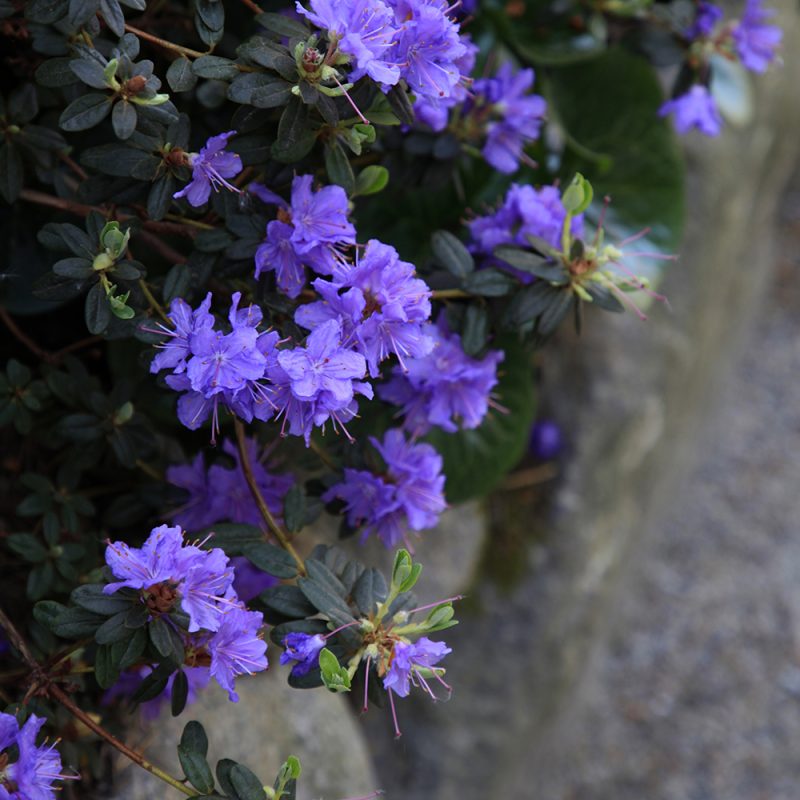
x: 85, y: 112
x: 133, y: 649
x: 475, y: 461
x: 27, y: 546
x: 295, y: 136
x: 196, y: 769
x: 232, y: 537
x: 338, y: 166
x: 282, y: 25
x: 334, y: 675
x: 97, y: 311
x: 166, y: 640
x: 532, y: 263
x: 371, y: 180
x: 78, y: 268
x: 215, y: 67
x: 245, y: 784
x: 194, y: 738
x: 489, y: 282
x: 450, y: 252
x: 180, y: 693
x: 40, y: 579
x: 124, y: 119
x: 475, y: 330
x: 270, y: 559
x: 176, y: 283
x: 326, y: 600
x: 401, y: 104
x: 105, y: 672
x: 370, y: 590
x: 91, y: 597
x: 287, y: 601
x: 113, y: 630
x: 75, y: 623
x: 10, y: 171
x: 295, y: 508
x: 612, y: 108
x: 180, y: 75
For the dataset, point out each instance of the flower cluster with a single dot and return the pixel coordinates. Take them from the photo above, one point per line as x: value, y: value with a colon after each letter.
x: 447, y: 388
x: 408, y: 493
x: 379, y: 303
x: 218, y: 493
x: 411, y: 663
x: 414, y: 40
x: 750, y: 40
x: 36, y: 768
x: 221, y: 634
x: 307, y: 232
x: 525, y: 213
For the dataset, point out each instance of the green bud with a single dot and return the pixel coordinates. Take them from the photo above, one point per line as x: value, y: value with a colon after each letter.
x: 110, y: 72
x: 334, y: 675
x: 578, y: 195
x: 123, y: 414
x: 156, y: 100
x: 102, y: 261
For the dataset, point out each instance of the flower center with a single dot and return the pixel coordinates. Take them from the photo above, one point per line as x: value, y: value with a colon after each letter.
x: 161, y: 597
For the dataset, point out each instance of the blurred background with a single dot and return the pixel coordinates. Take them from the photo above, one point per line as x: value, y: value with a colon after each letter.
x: 634, y: 631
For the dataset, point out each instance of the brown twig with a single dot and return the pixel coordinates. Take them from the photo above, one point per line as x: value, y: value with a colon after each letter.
x: 275, y: 529
x: 24, y: 339
x: 256, y: 9
x: 448, y: 294
x: 60, y: 696
x: 167, y: 45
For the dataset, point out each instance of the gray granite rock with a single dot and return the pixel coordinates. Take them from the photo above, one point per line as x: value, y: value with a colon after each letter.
x: 269, y: 723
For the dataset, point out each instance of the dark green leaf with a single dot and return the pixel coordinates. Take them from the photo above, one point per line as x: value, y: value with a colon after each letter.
x: 85, y: 112
x: 40, y: 579
x: 105, y: 672
x: 160, y: 197
x: 450, y: 252
x: 27, y: 546
x: 401, y: 104
x: 55, y: 73
x: 133, y: 648
x: 603, y: 298
x: 246, y: 785
x: 337, y: 165
x: 489, y: 282
x: 176, y: 283
x: 166, y: 640
x: 75, y: 623
x: 113, y: 16
x: 194, y: 738
x: 287, y: 601
x: 91, y: 597
x: 97, y: 311
x: 221, y: 69
x: 180, y: 693
x: 80, y: 268
x: 270, y: 94
x: 475, y: 330
x: 233, y: 537
x: 90, y: 71
x: 283, y: 25
x: 113, y: 630
x: 533, y: 264
x: 180, y: 75
x: 295, y: 137
x: 370, y: 590
x: 123, y: 118
x: 527, y: 304
x: 196, y: 769
x: 270, y: 559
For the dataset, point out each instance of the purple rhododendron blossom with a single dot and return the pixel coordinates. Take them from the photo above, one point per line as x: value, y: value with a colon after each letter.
x: 706, y: 18
x: 36, y: 768
x: 521, y: 115
x: 428, y: 48
x: 446, y: 389
x: 406, y: 662
x: 302, y: 649
x: 164, y: 565
x: 525, y: 212
x: 695, y: 109
x: 410, y: 494
x: 237, y: 648
x: 210, y: 169
x: 756, y: 43
x: 307, y: 233
x: 379, y: 303
x: 364, y: 30
x: 318, y: 382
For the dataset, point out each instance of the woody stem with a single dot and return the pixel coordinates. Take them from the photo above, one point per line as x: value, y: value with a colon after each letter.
x: 269, y: 519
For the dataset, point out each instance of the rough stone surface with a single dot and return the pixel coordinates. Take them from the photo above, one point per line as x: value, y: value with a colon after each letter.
x: 635, y: 399
x: 270, y: 721
x: 696, y: 691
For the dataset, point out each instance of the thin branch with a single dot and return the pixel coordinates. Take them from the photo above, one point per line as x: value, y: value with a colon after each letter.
x: 448, y: 294
x: 61, y: 697
x: 276, y: 530
x: 256, y: 9
x: 24, y: 339
x: 167, y: 45
x: 79, y: 345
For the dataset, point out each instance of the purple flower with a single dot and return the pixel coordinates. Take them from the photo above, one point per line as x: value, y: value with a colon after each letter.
x: 248, y: 580
x: 166, y: 570
x: 364, y: 30
x: 695, y: 109
x: 203, y: 507
x: 32, y: 775
x: 545, y: 440
x: 318, y: 382
x: 303, y: 649
x: 520, y: 115
x: 447, y: 388
x: 706, y: 19
x: 210, y: 168
x: 412, y: 664
x: 409, y: 494
x: 307, y: 233
x: 756, y: 43
x: 176, y: 349
x: 380, y: 304
x: 237, y: 648
x: 428, y: 48
x: 278, y: 253
x: 525, y: 212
